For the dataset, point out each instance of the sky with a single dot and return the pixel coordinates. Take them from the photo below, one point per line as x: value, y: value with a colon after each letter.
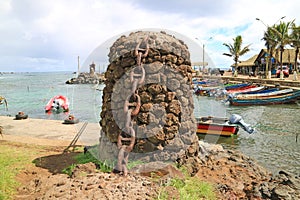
x: 49, y: 35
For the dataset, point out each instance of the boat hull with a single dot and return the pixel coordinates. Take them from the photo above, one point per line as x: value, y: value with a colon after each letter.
x: 217, y: 126
x: 279, y: 99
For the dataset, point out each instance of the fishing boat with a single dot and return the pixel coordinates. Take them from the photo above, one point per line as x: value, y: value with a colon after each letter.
x: 222, y: 126
x: 204, y: 87
x: 236, y: 86
x: 216, y: 126
x: 246, y: 90
x: 267, y: 94
x: 266, y: 90
x: 286, y: 98
x: 204, y: 91
x: 57, y: 104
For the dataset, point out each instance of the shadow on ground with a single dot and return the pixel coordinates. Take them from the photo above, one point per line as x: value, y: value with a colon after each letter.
x: 56, y: 163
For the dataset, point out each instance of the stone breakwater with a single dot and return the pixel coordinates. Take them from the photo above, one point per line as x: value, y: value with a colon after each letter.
x: 87, y: 78
x: 165, y: 126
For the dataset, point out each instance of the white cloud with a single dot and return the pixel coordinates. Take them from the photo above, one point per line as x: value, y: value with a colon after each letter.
x: 61, y: 29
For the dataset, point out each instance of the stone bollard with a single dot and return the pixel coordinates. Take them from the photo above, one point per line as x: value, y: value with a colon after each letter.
x: 165, y: 126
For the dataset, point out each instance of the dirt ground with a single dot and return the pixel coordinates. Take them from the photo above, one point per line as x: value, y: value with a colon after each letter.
x: 234, y: 175
x: 45, y: 180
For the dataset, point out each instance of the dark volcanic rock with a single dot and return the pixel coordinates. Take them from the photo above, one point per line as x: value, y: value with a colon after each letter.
x: 166, y: 118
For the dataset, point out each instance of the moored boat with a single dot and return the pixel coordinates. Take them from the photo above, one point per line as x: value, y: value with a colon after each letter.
x: 287, y: 98
x: 222, y: 126
x: 236, y: 86
x: 71, y: 120
x: 216, y: 126
x: 246, y: 90
x: 266, y: 90
x: 265, y: 94
x: 204, y: 91
x: 57, y: 104
x: 21, y: 115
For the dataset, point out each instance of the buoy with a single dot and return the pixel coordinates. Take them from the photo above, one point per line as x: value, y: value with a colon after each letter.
x: 71, y: 120
x: 21, y: 115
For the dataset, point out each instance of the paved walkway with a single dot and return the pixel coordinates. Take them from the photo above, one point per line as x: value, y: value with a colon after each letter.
x: 285, y: 83
x: 49, y: 132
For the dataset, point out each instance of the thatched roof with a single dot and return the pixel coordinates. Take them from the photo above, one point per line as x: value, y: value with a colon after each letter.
x: 248, y: 63
x: 288, y: 55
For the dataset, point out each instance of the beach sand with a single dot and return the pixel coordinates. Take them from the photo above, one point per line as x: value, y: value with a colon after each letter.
x: 47, y: 132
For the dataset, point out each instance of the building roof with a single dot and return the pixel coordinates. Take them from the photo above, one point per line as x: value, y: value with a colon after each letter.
x: 288, y: 55
x: 249, y: 62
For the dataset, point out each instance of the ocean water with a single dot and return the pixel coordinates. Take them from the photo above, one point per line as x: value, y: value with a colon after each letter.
x: 273, y: 144
x: 30, y: 92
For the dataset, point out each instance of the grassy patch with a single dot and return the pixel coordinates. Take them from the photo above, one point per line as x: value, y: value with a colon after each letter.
x: 13, y: 158
x: 87, y: 157
x: 69, y: 169
x: 193, y: 188
x: 104, y: 166
x: 190, y: 188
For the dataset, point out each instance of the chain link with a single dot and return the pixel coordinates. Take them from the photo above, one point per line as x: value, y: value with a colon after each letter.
x: 126, y: 138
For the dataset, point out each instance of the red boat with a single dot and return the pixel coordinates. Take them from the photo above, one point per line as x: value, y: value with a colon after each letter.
x: 57, y: 104
x: 241, y: 89
x: 216, y: 126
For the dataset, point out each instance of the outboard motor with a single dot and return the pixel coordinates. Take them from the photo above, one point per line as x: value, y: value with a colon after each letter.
x: 237, y: 119
x: 229, y: 96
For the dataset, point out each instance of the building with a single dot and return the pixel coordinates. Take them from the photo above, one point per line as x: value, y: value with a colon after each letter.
x: 257, y: 63
x: 288, y: 59
x: 248, y: 66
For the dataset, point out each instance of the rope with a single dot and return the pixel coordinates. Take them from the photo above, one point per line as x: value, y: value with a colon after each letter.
x: 73, y: 142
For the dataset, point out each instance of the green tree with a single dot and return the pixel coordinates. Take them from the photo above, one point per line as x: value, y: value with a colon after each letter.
x: 295, y: 42
x: 270, y: 43
x: 282, y: 36
x: 236, y: 50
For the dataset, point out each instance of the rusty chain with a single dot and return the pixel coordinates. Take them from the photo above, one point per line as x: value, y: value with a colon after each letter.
x: 126, y: 138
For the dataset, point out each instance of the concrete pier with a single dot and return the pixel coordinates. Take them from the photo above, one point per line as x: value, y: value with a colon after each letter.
x: 49, y: 132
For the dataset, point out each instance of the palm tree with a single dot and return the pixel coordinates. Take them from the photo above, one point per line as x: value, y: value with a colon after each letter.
x: 236, y: 50
x: 270, y: 43
x: 295, y: 42
x: 281, y: 32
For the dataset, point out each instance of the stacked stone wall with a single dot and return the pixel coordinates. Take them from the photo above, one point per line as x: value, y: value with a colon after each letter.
x: 165, y: 126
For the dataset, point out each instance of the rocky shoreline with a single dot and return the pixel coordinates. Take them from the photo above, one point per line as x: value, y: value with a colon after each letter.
x: 234, y: 176
x: 239, y: 177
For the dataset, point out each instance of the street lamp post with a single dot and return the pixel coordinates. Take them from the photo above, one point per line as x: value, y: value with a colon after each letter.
x: 203, y: 46
x: 268, y: 58
x: 203, y: 53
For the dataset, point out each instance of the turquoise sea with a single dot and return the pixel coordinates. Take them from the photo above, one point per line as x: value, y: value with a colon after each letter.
x: 273, y: 144
x: 30, y: 92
